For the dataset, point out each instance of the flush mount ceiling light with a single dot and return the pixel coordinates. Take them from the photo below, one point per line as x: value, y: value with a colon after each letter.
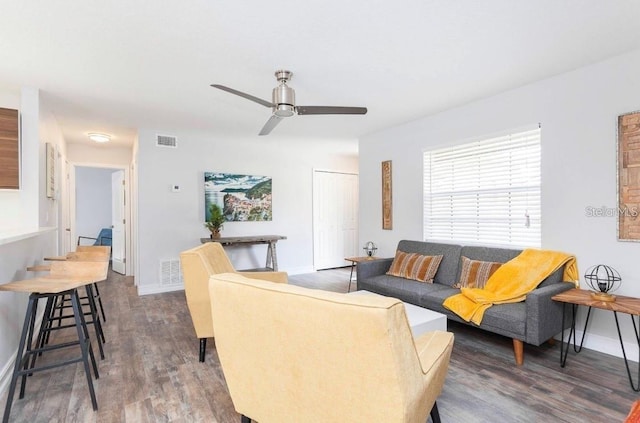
x: 99, y: 137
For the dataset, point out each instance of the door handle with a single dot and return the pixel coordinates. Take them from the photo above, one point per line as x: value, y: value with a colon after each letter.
x: 68, y: 229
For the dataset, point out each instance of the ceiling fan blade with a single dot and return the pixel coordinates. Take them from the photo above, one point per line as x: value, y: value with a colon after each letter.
x: 330, y: 110
x: 245, y: 95
x: 273, y: 121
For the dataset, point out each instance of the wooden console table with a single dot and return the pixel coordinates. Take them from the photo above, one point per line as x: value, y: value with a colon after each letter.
x: 622, y: 304
x: 271, y: 240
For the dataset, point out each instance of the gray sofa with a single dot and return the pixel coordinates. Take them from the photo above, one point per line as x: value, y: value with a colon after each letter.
x: 534, y: 321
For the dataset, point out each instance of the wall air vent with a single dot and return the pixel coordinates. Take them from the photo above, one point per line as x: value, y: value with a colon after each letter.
x: 170, y: 272
x: 166, y: 141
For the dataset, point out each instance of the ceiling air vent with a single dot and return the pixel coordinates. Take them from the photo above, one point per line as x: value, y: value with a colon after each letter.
x: 166, y: 141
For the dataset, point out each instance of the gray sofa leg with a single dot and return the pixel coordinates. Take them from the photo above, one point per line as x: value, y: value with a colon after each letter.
x: 435, y: 415
x: 244, y: 419
x: 203, y: 347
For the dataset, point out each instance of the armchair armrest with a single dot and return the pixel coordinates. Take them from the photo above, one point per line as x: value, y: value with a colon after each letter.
x: 367, y: 269
x: 279, y: 277
x: 430, y: 346
x: 543, y: 314
x: 85, y: 237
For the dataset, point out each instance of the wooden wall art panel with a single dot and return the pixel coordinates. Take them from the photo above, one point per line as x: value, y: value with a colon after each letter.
x: 629, y: 177
x: 387, y: 203
x: 9, y: 149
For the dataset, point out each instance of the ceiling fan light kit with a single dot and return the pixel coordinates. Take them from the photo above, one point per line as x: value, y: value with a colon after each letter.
x: 283, y: 103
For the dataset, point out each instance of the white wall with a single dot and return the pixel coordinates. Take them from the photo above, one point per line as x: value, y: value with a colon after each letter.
x: 50, y: 132
x: 172, y: 222
x: 28, y: 208
x: 578, y: 112
x: 14, y: 259
x: 98, y: 154
x: 93, y: 200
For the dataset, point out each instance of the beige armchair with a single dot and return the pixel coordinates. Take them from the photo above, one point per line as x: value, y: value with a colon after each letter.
x: 197, y: 265
x: 291, y: 354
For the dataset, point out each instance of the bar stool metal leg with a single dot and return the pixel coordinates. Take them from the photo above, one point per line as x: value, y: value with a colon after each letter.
x: 85, y: 345
x: 16, y: 368
x: 96, y: 320
x: 24, y: 356
x: 62, y: 304
x: 104, y: 317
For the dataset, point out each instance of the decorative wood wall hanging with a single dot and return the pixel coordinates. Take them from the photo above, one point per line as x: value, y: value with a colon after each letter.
x: 387, y: 203
x: 629, y: 177
x: 9, y: 149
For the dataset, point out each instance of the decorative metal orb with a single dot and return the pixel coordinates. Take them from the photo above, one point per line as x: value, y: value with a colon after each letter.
x: 602, y: 278
x: 370, y: 249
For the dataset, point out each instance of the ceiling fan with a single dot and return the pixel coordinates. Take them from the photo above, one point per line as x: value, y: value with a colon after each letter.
x: 283, y: 103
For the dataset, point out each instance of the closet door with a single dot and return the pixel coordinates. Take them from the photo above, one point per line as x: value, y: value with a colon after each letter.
x: 335, y: 218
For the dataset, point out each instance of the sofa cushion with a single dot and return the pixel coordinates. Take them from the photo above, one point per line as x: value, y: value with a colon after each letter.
x: 448, y: 269
x: 407, y: 290
x: 433, y: 299
x: 475, y: 273
x: 506, y: 319
x: 414, y: 266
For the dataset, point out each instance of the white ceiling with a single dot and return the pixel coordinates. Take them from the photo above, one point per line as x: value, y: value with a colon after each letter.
x: 115, y: 65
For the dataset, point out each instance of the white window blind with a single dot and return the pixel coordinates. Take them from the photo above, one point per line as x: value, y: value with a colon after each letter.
x: 485, y: 192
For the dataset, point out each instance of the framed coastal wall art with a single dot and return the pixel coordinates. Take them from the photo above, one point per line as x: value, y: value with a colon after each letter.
x: 629, y: 177
x: 242, y: 198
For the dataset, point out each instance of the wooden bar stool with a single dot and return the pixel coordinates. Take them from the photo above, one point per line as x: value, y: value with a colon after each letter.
x: 89, y: 271
x: 93, y: 253
x: 84, y: 253
x: 47, y: 287
x: 104, y: 249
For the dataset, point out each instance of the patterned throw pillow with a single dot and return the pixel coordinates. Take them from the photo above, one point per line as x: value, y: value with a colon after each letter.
x: 415, y: 266
x: 475, y: 273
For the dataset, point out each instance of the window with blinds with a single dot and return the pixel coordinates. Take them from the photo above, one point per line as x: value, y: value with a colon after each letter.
x: 485, y: 192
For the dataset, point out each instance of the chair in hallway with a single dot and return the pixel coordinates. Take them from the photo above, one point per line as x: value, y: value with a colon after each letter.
x: 197, y: 265
x: 292, y: 354
x: 104, y: 238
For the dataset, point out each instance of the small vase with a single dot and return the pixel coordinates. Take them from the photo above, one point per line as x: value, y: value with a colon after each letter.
x: 215, y: 234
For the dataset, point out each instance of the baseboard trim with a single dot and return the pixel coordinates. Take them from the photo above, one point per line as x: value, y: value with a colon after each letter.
x: 605, y: 345
x: 158, y: 289
x: 299, y: 270
x: 5, y: 375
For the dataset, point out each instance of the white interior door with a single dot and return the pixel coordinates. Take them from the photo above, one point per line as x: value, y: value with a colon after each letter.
x: 118, y: 222
x: 335, y: 218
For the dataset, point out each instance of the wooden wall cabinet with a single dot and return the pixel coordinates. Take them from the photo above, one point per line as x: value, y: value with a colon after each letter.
x: 9, y: 149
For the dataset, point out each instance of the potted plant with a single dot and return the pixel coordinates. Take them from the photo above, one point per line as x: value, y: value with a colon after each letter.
x: 216, y: 220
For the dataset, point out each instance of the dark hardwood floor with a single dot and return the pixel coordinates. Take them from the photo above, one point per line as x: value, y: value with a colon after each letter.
x: 151, y: 372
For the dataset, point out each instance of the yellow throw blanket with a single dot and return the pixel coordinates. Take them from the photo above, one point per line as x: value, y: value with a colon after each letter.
x: 511, y: 282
